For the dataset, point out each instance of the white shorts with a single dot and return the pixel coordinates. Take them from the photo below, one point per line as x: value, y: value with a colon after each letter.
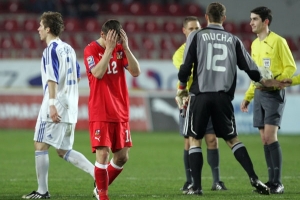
x: 60, y: 136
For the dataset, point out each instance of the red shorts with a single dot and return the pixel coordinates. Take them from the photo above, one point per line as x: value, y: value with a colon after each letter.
x: 115, y: 135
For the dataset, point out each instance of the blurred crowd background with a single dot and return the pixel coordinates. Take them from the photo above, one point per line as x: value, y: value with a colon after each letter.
x: 154, y: 27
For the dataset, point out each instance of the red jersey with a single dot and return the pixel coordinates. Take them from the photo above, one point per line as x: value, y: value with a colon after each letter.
x: 108, y: 100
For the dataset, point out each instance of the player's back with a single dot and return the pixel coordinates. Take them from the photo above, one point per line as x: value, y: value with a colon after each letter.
x: 215, y: 52
x: 60, y: 61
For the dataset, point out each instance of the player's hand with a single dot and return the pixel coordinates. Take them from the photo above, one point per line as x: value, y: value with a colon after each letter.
x: 124, y: 39
x: 54, y: 114
x: 111, y: 39
x: 286, y: 82
x: 244, y: 106
x: 185, y: 102
x: 181, y: 94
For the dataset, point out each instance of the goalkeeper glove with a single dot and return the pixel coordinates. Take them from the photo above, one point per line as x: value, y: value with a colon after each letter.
x: 185, y: 103
x: 181, y: 93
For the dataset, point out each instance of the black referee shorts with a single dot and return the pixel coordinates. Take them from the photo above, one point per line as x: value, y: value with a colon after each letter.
x: 216, y: 105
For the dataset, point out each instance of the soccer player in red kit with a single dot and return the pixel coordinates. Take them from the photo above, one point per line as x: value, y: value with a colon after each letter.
x: 106, y: 60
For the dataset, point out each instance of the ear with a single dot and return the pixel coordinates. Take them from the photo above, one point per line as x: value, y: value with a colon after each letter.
x: 267, y: 21
x: 206, y: 17
x: 183, y: 30
x: 223, y: 19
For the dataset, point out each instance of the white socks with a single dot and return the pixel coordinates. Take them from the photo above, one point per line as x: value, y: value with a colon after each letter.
x: 80, y: 161
x: 41, y: 167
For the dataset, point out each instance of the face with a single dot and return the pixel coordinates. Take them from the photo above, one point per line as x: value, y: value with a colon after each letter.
x: 43, y: 32
x: 256, y: 23
x: 191, y: 26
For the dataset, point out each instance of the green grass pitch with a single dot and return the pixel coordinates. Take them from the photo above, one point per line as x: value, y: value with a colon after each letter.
x: 154, y: 170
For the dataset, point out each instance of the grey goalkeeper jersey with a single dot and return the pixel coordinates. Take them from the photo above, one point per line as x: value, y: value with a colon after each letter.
x: 215, y: 55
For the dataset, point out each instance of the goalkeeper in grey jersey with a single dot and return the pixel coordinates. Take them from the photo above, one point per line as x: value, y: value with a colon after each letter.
x: 215, y: 53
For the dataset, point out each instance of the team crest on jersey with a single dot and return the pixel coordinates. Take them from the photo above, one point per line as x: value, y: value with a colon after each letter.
x: 90, y: 61
x: 97, y: 132
x: 119, y: 55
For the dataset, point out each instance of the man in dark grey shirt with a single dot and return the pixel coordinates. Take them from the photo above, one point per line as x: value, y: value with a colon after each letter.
x: 215, y: 55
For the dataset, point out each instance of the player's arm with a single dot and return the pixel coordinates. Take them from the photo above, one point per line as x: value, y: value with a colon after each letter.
x: 287, y: 60
x: 52, y: 88
x: 133, y: 65
x: 178, y: 56
x: 110, y: 43
x: 189, y: 57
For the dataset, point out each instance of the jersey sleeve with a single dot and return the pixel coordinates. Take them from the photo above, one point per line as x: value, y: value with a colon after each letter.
x: 52, y: 64
x: 78, y: 69
x: 90, y: 57
x: 288, y: 62
x: 178, y: 56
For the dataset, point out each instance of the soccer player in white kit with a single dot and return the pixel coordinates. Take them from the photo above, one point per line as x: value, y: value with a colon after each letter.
x: 56, y: 121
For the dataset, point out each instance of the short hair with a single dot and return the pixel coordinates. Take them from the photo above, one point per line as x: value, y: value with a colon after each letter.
x: 54, y: 21
x: 189, y: 19
x: 111, y: 24
x: 216, y: 11
x: 264, y: 13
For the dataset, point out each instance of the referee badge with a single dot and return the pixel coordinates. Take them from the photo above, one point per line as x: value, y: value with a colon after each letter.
x: 267, y: 62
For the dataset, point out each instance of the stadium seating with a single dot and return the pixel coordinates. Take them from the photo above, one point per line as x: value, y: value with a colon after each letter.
x: 231, y: 27
x: 155, y: 9
x: 245, y: 28
x: 132, y: 26
x: 10, y: 25
x: 72, y: 25
x: 30, y: 25
x: 152, y: 27
x: 174, y: 9
x: 172, y: 27
x: 91, y: 25
x: 193, y: 9
x: 136, y: 8
x: 116, y: 8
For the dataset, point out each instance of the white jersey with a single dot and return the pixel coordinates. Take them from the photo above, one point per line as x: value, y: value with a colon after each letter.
x: 59, y: 64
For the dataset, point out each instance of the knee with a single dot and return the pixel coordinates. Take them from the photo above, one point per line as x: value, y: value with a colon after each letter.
x: 61, y: 153
x: 211, y: 141
x: 121, y: 160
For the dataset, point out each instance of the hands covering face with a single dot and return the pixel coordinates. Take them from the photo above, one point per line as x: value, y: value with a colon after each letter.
x: 112, y: 38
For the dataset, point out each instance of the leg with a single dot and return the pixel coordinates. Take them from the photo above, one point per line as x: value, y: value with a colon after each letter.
x: 42, y: 166
x: 213, y: 160
x: 116, y: 164
x: 77, y: 159
x: 274, y: 161
x: 196, y: 163
x: 66, y: 152
x: 213, y: 155
x: 183, y: 127
x: 242, y: 156
x: 187, y: 167
x: 101, y: 174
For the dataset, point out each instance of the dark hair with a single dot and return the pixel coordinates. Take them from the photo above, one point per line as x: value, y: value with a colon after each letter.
x: 189, y: 19
x: 54, y: 21
x: 215, y: 12
x: 111, y: 24
x: 264, y: 13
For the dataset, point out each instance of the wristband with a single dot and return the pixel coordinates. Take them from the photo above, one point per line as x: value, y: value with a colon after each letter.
x: 51, y: 102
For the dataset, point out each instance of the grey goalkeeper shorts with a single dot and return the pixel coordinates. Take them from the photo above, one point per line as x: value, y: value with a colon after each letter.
x: 268, y: 107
